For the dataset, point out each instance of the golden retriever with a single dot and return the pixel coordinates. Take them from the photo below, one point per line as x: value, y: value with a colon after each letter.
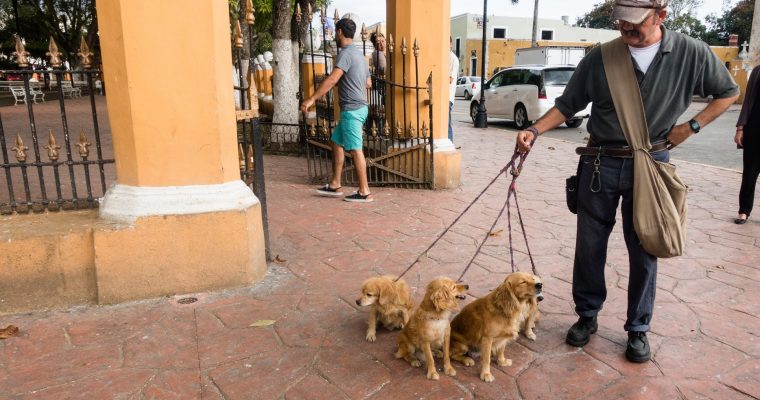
x: 391, y: 303
x: 492, y: 321
x: 429, y: 326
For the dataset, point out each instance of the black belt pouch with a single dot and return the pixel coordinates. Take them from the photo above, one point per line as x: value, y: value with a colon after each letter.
x: 571, y: 190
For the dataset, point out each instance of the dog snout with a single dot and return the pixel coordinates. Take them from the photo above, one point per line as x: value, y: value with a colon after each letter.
x: 540, y: 297
x: 358, y: 302
x: 466, y: 287
x: 539, y: 285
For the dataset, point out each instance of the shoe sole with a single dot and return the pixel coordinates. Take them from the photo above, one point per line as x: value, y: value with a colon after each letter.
x: 358, y: 201
x: 581, y: 343
x: 329, y: 194
x: 638, y: 359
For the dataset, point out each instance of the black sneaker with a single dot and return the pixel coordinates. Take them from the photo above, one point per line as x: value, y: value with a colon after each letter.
x: 327, y: 191
x: 359, y: 198
x: 580, y: 333
x: 637, y: 349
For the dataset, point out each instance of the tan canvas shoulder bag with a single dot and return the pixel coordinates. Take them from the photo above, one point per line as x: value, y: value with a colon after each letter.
x: 659, y: 195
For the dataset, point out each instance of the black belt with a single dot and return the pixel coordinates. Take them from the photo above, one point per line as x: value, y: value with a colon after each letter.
x: 622, y: 152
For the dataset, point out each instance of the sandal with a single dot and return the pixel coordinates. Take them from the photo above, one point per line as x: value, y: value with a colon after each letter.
x: 327, y: 191
x: 741, y: 221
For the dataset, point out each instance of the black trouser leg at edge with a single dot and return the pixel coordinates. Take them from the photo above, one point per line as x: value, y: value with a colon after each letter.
x: 750, y: 172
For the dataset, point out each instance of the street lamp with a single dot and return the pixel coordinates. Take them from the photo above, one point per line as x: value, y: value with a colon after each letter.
x: 481, y: 117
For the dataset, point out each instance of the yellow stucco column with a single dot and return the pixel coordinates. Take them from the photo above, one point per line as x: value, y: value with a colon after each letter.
x: 427, y: 21
x: 182, y: 220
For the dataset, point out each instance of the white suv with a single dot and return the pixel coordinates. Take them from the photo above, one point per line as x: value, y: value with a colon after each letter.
x: 523, y: 93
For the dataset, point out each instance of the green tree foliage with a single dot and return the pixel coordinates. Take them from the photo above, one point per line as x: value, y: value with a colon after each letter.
x: 599, y: 17
x: 262, y: 28
x: 736, y: 20
x: 66, y: 21
x: 688, y: 25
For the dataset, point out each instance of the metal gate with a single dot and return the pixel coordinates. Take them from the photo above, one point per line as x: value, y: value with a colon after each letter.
x: 397, y: 144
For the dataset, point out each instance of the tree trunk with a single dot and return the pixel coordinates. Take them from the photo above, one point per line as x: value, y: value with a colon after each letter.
x: 534, y: 41
x: 285, y: 71
x: 754, y: 41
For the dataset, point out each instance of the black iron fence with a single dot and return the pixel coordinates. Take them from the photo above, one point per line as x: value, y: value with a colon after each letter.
x: 48, y: 160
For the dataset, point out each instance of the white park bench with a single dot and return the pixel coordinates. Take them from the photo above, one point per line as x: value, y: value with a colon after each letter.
x: 70, y: 90
x: 19, y: 94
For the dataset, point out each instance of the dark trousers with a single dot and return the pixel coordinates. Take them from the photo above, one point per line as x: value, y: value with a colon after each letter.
x: 750, y: 172
x: 596, y: 218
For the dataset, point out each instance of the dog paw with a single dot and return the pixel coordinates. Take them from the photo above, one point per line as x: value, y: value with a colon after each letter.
x: 450, y: 371
x: 486, y: 377
x: 415, y: 363
x: 530, y: 335
x: 433, y: 375
x: 371, y: 336
x: 469, y: 362
x: 504, y: 362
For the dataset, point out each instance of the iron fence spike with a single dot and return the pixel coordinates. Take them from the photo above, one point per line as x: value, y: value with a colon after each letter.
x: 20, y: 149
x: 22, y: 56
x: 54, y: 54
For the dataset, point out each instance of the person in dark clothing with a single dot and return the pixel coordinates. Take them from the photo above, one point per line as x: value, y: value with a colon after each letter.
x: 748, y: 138
x: 670, y: 68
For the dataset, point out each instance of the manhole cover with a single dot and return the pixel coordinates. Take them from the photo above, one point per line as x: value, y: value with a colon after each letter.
x: 187, y: 300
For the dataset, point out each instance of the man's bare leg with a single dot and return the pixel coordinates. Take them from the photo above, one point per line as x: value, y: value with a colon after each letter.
x: 361, y: 171
x: 338, y: 158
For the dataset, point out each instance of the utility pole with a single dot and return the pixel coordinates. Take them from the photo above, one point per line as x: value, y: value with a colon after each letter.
x: 754, y: 41
x: 481, y: 117
x: 534, y: 41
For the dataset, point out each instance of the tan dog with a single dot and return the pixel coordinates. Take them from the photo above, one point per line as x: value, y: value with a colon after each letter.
x: 492, y: 321
x: 391, y: 303
x: 429, y: 326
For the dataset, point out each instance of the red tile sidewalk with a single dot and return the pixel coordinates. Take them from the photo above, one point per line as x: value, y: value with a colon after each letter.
x: 705, y: 334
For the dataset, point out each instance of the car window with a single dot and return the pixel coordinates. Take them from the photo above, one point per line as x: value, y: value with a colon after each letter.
x: 533, y: 77
x: 496, y: 80
x: 512, y: 77
x: 475, y: 79
x: 460, y: 81
x: 558, y: 76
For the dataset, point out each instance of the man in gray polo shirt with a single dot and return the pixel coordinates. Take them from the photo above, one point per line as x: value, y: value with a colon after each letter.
x: 351, y: 74
x: 670, y: 68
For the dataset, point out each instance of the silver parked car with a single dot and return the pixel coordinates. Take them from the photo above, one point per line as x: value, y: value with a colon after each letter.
x: 523, y: 94
x: 467, y: 86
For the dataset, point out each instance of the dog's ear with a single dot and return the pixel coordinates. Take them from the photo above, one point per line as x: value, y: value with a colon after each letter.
x: 387, y: 293
x: 440, y: 297
x: 506, y: 297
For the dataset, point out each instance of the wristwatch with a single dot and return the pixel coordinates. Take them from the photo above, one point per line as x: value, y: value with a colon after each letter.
x: 694, y: 125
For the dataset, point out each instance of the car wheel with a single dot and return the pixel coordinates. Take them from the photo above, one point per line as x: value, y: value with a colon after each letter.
x: 473, y: 110
x: 574, y: 123
x: 521, y: 117
x: 467, y: 95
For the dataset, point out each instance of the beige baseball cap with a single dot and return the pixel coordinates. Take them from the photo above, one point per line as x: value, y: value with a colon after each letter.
x: 635, y: 11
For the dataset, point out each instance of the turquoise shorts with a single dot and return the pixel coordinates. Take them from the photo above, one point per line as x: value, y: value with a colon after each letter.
x: 348, y: 133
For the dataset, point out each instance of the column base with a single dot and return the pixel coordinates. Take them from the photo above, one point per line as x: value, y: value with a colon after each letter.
x: 207, y: 241
x: 447, y: 161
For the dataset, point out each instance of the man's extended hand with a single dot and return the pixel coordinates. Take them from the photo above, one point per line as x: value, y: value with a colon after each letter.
x: 306, y: 105
x: 524, y: 138
x: 678, y: 135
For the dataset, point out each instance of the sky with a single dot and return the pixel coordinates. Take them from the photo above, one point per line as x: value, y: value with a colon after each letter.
x: 374, y: 11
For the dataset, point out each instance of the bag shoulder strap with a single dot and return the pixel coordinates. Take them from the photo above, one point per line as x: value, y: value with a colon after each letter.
x: 626, y: 94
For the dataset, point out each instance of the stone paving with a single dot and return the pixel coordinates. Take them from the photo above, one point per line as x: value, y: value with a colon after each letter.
x: 705, y: 334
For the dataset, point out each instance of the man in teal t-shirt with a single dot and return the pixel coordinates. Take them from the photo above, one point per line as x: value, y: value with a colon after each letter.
x: 351, y: 73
